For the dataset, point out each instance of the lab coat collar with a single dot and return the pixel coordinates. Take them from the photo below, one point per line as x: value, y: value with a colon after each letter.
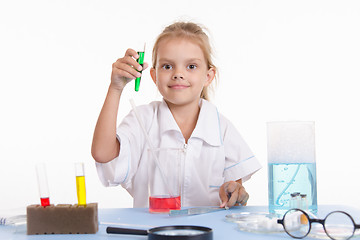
x: 166, y: 119
x: 207, y: 127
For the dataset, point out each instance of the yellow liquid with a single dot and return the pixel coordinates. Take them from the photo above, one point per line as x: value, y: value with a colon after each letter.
x: 81, y: 191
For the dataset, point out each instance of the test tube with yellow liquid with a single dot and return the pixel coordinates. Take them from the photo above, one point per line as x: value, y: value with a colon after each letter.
x: 80, y: 183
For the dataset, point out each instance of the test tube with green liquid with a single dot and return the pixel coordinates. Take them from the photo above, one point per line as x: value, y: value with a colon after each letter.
x: 140, y: 60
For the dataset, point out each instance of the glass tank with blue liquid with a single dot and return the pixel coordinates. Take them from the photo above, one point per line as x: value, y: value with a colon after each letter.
x: 291, y: 166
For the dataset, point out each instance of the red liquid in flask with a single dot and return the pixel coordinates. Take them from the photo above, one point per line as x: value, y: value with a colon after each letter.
x: 163, y: 204
x: 45, y: 202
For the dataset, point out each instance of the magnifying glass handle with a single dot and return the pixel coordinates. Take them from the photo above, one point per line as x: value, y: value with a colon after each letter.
x: 131, y: 231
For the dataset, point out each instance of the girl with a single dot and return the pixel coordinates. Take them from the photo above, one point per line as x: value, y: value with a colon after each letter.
x: 217, y: 158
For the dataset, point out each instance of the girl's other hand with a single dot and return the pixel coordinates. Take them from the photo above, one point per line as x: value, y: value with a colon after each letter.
x: 126, y: 69
x: 233, y: 193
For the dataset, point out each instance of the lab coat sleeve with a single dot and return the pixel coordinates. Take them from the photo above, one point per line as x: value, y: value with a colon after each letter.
x: 240, y: 162
x: 122, y: 169
x: 116, y: 171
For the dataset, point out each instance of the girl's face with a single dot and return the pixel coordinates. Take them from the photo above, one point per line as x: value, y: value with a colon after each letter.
x: 181, y: 71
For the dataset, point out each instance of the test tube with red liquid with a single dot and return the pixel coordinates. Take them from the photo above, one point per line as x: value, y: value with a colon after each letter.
x: 43, y: 184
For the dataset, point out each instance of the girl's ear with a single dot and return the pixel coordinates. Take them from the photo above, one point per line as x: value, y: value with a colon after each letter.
x: 210, y: 76
x: 153, y: 74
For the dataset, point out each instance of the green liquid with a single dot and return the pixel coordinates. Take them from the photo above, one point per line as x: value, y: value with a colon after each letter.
x: 140, y: 60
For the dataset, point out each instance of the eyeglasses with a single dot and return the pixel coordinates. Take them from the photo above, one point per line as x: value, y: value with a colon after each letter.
x: 338, y: 225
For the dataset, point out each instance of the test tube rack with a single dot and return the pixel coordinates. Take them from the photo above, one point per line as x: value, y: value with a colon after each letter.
x: 62, y: 219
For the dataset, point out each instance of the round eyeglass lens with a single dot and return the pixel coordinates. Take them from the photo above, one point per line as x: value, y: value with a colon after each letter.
x: 339, y: 225
x: 296, y: 223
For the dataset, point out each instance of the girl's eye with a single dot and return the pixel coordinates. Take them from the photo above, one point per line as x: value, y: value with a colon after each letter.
x: 192, y: 66
x: 167, y: 67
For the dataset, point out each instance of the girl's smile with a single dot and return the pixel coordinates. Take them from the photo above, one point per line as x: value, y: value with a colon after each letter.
x: 178, y: 86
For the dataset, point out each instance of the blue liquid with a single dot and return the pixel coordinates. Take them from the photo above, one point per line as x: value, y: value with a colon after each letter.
x: 287, y: 178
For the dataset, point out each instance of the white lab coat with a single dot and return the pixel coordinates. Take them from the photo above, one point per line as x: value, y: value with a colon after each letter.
x: 215, y: 153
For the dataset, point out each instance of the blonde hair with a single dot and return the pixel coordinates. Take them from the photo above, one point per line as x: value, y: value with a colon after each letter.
x: 193, y: 32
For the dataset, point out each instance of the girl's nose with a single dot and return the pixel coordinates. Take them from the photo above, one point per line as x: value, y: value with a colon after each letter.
x: 178, y: 76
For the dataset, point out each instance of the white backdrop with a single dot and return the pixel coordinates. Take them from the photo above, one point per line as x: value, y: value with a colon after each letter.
x: 278, y: 60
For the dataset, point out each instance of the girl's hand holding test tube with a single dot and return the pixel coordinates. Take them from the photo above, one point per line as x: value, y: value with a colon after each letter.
x: 105, y: 145
x: 126, y: 69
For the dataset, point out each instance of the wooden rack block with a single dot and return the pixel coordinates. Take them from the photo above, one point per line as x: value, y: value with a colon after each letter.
x: 62, y: 219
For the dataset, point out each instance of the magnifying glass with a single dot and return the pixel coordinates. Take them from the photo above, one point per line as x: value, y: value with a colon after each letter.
x: 186, y: 232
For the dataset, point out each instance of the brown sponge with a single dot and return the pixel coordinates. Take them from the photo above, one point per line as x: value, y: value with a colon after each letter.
x: 62, y: 219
